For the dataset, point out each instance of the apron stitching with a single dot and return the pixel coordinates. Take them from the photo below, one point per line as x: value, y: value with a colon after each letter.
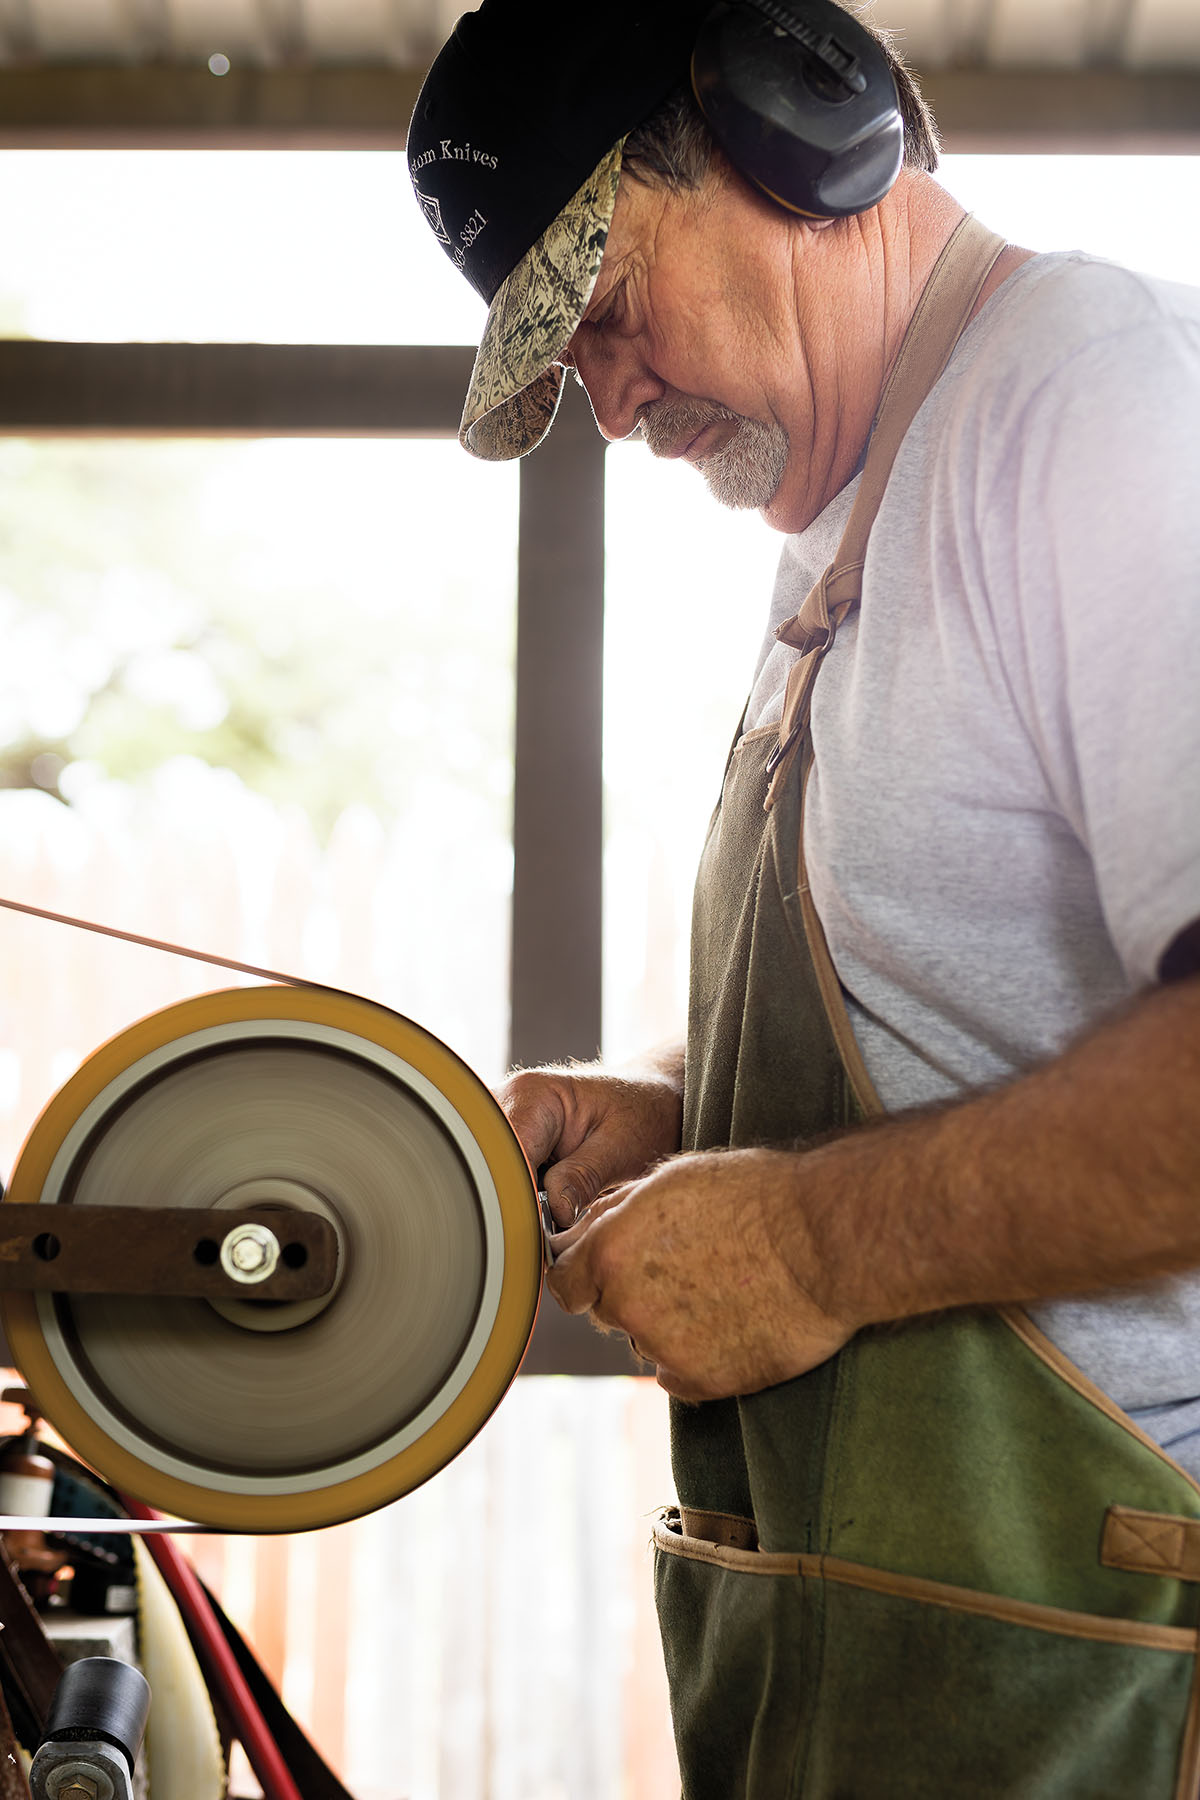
x: 1004, y: 1609
x: 1049, y: 1353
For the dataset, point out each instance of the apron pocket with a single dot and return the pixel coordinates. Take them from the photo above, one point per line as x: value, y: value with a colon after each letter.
x: 741, y: 1652
x: 835, y: 1681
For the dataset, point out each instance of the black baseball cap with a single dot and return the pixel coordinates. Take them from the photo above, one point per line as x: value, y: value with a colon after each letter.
x: 515, y: 153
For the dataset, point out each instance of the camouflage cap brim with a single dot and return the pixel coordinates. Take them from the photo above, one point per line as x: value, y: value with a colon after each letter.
x: 517, y: 381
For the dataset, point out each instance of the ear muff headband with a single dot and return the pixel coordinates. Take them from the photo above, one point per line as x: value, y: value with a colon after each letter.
x: 802, y: 101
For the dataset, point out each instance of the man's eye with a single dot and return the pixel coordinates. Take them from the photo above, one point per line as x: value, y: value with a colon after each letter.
x: 609, y: 313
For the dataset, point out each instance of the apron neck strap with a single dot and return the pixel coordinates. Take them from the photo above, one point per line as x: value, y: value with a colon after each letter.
x: 942, y: 312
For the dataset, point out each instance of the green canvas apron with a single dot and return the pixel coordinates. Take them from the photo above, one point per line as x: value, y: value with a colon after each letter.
x: 943, y: 1565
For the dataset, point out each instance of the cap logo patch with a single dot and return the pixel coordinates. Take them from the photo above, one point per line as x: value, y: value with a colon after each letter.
x: 432, y: 208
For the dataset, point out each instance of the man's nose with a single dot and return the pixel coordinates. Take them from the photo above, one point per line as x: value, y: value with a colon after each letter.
x: 617, y: 384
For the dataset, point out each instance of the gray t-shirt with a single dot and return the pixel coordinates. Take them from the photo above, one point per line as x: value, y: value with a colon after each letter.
x: 1003, y: 826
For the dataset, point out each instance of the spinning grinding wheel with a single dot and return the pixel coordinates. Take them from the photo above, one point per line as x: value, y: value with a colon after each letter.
x: 253, y: 1415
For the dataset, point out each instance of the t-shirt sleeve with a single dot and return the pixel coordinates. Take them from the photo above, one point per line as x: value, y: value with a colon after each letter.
x: 1090, y: 537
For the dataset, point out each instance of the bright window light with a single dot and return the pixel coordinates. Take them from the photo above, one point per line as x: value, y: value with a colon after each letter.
x: 236, y: 246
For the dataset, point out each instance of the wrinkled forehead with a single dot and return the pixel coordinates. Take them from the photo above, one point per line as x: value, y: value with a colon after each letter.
x: 661, y: 231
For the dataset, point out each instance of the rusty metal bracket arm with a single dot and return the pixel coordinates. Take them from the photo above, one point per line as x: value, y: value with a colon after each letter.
x: 251, y: 1253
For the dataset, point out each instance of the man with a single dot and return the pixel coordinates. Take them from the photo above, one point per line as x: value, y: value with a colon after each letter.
x: 927, y: 1546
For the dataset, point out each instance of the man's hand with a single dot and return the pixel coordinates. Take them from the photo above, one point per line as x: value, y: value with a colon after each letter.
x: 735, y: 1269
x: 707, y: 1264
x: 593, y: 1127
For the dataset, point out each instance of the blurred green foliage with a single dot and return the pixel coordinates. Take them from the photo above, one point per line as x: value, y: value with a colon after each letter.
x: 333, y: 621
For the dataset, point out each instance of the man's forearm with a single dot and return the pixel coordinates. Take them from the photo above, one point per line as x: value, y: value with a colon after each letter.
x: 1081, y: 1176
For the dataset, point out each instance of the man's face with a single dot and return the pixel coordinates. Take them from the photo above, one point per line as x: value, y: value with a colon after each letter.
x: 695, y: 335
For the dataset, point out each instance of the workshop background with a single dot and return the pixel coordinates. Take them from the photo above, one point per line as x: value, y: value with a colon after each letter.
x: 288, y: 677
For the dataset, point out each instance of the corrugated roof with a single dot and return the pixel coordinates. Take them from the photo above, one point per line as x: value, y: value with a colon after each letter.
x: 264, y: 33
x: 1046, y: 34
x: 1028, y: 34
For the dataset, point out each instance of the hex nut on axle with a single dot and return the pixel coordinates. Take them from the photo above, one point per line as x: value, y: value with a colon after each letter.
x: 89, y: 1770
x: 250, y: 1253
x: 77, y: 1780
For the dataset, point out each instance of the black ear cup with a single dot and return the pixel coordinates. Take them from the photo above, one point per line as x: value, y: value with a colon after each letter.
x: 802, y: 101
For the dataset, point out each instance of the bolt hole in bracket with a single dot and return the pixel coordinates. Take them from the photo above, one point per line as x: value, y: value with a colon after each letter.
x: 206, y: 1253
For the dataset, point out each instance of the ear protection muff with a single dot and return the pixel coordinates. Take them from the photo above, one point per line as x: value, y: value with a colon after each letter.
x: 802, y: 101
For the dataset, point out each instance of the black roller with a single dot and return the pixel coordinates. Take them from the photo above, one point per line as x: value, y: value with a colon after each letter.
x: 101, y: 1699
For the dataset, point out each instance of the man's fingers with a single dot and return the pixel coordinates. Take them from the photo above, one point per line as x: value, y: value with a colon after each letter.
x: 571, y: 1234
x: 584, y: 1151
x: 570, y: 1280
x: 587, y: 1130
x: 575, y: 1184
x: 535, y: 1111
x: 566, y: 1186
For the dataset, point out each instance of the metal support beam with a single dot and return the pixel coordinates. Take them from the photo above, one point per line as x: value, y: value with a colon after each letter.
x: 558, y: 822
x: 977, y: 108
x: 110, y: 106
x: 1081, y: 111
x: 196, y: 390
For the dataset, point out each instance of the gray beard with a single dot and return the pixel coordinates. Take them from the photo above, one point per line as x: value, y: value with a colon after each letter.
x: 746, y: 472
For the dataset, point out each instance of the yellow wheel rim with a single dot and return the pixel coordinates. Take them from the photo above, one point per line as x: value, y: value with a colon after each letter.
x: 309, y: 1039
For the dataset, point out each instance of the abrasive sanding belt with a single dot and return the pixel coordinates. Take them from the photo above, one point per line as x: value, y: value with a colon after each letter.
x: 149, y: 943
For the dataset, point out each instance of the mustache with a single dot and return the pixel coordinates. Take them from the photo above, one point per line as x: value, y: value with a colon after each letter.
x: 666, y: 424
